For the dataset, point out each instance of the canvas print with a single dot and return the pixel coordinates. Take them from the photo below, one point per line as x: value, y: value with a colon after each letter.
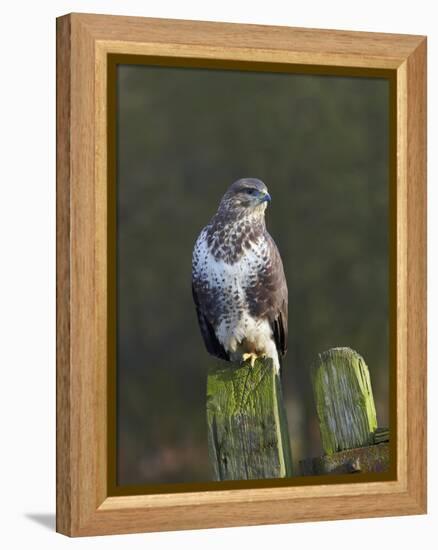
x: 254, y: 333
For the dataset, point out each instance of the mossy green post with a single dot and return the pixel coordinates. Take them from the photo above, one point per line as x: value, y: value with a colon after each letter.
x: 247, y: 427
x: 344, y: 400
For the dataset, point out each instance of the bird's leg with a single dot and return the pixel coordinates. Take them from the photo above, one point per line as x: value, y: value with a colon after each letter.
x: 251, y: 356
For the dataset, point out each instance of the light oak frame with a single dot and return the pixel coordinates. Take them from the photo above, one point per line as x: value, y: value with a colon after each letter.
x: 83, y: 504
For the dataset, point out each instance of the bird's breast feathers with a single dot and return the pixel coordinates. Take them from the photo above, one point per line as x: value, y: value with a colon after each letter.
x: 224, y: 289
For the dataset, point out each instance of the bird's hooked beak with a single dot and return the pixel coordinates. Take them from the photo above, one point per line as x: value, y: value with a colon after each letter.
x: 266, y: 197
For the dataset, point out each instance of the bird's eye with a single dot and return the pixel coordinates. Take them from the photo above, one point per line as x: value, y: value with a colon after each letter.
x: 251, y: 191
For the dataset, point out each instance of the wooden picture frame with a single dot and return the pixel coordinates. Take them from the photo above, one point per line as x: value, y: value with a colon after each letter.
x: 84, y: 42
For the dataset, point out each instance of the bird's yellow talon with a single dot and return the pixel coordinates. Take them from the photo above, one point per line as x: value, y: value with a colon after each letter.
x: 251, y: 356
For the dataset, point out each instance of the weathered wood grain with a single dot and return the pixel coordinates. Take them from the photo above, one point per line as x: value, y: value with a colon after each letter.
x: 344, y: 400
x: 247, y: 427
x: 347, y: 417
x: 363, y: 460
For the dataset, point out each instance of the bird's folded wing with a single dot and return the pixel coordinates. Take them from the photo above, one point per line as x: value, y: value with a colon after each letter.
x: 210, y: 340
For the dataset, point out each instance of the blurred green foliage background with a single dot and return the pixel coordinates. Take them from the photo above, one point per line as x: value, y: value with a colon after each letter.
x: 320, y: 143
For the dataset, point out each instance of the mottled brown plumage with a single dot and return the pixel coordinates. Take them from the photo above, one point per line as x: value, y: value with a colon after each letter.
x: 238, y: 282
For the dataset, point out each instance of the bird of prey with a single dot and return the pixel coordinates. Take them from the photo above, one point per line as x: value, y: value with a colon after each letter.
x: 238, y: 282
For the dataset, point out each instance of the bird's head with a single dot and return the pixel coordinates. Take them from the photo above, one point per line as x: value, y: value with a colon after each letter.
x: 245, y: 197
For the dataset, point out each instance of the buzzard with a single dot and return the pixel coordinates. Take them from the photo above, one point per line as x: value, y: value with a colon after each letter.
x: 238, y: 282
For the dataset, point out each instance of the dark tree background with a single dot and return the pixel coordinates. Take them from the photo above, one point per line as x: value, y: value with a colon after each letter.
x: 320, y: 143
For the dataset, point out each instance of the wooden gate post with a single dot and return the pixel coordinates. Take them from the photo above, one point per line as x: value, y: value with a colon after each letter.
x: 347, y: 416
x: 247, y: 427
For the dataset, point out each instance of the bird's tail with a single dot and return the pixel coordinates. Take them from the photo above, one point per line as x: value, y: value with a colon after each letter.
x: 277, y: 360
x: 280, y: 366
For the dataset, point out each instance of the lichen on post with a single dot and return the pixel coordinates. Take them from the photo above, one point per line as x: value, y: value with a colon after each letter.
x: 364, y: 460
x: 247, y: 428
x: 344, y: 400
